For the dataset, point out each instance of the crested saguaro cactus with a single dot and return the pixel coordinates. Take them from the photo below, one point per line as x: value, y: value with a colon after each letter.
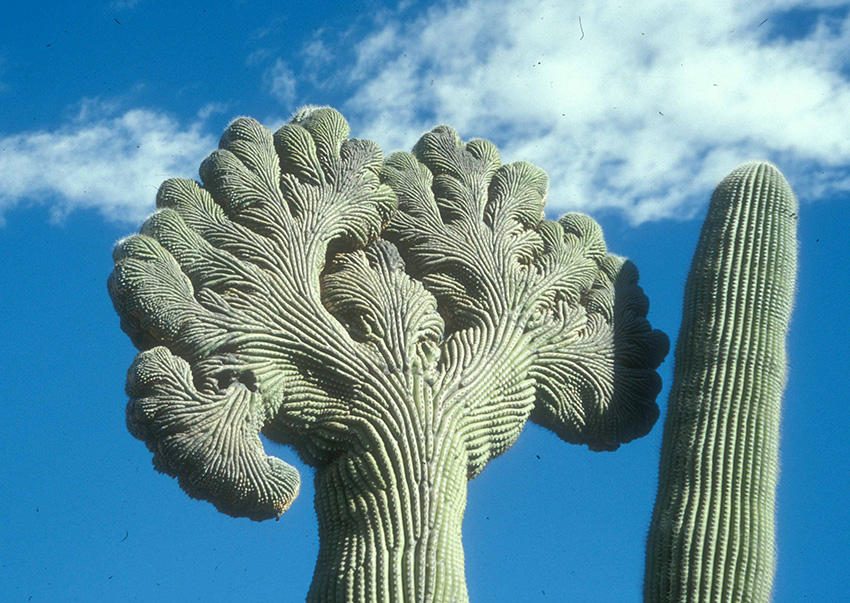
x: 396, y: 321
x: 712, y: 534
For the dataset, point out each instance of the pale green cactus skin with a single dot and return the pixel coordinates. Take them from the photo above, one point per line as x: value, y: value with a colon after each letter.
x: 396, y: 321
x: 712, y: 533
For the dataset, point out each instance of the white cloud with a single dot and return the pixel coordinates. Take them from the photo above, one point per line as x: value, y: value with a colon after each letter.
x: 112, y: 163
x: 644, y: 114
x: 211, y: 109
x: 316, y: 53
x: 281, y: 82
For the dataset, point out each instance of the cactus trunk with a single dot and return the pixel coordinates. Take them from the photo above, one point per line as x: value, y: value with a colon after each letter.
x: 712, y: 533
x: 394, y: 536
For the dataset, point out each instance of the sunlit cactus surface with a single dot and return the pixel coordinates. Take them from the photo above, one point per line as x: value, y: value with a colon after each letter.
x: 397, y: 321
x: 712, y: 535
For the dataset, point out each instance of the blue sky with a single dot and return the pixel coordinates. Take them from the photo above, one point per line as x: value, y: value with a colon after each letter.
x: 636, y: 112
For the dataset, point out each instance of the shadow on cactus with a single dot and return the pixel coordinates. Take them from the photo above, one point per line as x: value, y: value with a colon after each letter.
x: 397, y: 321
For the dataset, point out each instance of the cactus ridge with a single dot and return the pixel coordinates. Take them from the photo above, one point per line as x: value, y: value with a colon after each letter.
x: 712, y: 533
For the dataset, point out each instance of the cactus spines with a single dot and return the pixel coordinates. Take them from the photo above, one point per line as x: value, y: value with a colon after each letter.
x: 712, y: 533
x: 396, y: 321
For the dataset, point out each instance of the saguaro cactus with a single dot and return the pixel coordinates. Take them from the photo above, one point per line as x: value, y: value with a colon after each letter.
x: 712, y: 534
x: 396, y: 322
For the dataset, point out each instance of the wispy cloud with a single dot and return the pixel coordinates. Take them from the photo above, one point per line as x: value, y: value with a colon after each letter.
x: 101, y: 160
x: 281, y: 81
x: 316, y: 53
x: 636, y: 107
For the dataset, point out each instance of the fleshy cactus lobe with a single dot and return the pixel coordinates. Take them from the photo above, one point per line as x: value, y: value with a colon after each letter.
x: 396, y: 321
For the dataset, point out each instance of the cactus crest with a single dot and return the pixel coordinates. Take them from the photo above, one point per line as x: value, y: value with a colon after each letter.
x: 397, y: 321
x: 712, y: 533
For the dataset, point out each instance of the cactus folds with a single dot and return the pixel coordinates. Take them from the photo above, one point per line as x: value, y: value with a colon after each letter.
x: 397, y: 321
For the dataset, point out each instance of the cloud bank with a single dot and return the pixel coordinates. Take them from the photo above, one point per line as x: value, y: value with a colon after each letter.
x: 110, y: 163
x: 635, y: 107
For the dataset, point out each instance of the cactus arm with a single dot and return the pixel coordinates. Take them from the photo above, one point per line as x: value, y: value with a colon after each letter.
x: 530, y: 305
x: 712, y: 533
x: 462, y: 227
x: 244, y: 329
x: 597, y: 355
x: 207, y: 437
x: 226, y: 276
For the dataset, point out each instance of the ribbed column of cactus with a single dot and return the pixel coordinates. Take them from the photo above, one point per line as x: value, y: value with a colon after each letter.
x: 390, y: 522
x: 397, y: 321
x: 712, y: 533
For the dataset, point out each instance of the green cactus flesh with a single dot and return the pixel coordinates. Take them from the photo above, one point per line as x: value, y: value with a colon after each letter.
x: 712, y: 534
x: 397, y: 322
